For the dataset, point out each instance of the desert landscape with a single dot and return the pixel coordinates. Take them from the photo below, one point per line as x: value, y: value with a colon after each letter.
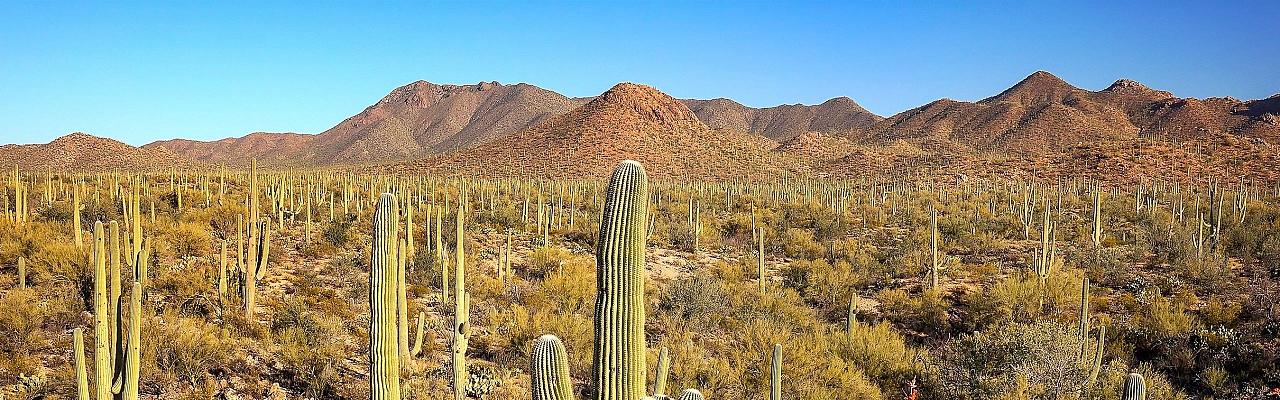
x: 503, y: 240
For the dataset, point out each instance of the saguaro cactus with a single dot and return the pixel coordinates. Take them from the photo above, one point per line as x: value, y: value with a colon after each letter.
x: 1135, y: 387
x: 116, y: 362
x: 461, y: 311
x: 549, y: 374
x: 775, y: 374
x: 384, y: 357
x: 691, y: 394
x: 935, y: 261
x: 101, y: 328
x: 660, y: 380
x: 1095, y: 233
x: 82, y: 375
x: 760, y: 258
x: 22, y: 272
x: 618, y: 365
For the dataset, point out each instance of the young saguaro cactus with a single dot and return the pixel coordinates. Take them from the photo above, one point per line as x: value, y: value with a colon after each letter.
x: 618, y: 365
x: 1135, y: 387
x: 384, y: 354
x: 660, y: 380
x: 775, y: 374
x: 691, y: 394
x: 549, y: 374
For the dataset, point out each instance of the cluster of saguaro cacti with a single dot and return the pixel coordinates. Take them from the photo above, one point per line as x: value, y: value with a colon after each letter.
x: 116, y: 360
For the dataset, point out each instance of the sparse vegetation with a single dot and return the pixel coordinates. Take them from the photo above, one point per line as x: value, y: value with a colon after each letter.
x: 1183, y: 297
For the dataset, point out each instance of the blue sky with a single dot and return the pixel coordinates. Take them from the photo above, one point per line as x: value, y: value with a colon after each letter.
x: 206, y: 70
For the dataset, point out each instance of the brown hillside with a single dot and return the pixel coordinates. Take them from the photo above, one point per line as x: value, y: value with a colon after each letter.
x: 270, y: 148
x: 84, y: 152
x: 1044, y: 115
x: 840, y: 115
x: 1039, y: 114
x: 629, y: 121
x: 413, y: 121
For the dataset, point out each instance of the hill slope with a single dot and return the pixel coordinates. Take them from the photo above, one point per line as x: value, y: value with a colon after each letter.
x: 80, y: 151
x: 629, y: 121
x: 840, y: 115
x: 1043, y: 115
x: 414, y: 120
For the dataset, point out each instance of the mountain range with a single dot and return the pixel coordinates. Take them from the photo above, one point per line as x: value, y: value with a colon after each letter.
x: 1041, y: 126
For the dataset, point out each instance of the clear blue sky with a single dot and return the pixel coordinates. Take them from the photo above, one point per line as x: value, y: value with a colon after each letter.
x: 145, y: 71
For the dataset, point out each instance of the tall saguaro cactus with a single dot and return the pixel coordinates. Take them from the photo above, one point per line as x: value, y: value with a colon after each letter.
x: 384, y: 355
x: 549, y: 374
x: 618, y: 365
x: 935, y: 261
x: 101, y: 328
x: 461, y: 310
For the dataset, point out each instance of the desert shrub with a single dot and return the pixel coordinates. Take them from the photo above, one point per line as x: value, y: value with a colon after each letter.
x: 698, y: 300
x: 336, y: 232
x: 926, y: 313
x: 1039, y: 358
x: 799, y: 243
x: 880, y: 352
x: 183, y: 240
x: 188, y: 350
x: 311, y: 346
x: 21, y: 318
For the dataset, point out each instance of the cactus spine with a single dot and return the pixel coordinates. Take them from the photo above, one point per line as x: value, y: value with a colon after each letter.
x: 775, y: 374
x: 461, y: 311
x: 1135, y: 388
x: 384, y: 360
x: 618, y: 367
x: 549, y: 374
x: 691, y: 394
x: 660, y: 381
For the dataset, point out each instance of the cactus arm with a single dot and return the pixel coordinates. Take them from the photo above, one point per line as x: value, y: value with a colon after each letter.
x: 660, y: 381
